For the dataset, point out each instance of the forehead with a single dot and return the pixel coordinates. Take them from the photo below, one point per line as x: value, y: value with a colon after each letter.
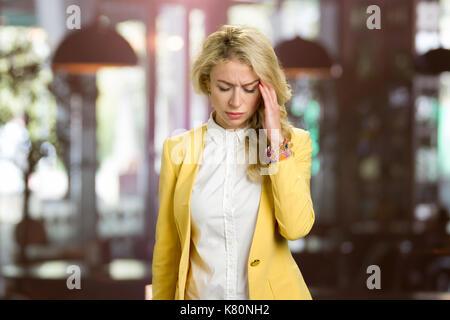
x: 233, y: 71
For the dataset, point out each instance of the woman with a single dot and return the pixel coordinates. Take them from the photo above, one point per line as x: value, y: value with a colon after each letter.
x: 223, y: 225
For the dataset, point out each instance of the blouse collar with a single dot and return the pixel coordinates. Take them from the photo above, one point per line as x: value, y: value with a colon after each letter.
x: 219, y: 134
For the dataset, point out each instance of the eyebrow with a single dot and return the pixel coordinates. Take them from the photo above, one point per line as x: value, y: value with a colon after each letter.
x: 230, y: 84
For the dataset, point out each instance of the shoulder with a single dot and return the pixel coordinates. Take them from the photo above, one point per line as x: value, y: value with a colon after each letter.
x: 300, y: 135
x: 184, y: 145
x: 183, y: 139
x: 301, y: 143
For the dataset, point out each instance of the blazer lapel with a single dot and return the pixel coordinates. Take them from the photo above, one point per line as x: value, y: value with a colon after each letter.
x: 185, y: 183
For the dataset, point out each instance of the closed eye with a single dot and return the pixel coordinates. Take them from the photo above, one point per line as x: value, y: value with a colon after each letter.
x: 246, y: 90
x: 251, y: 90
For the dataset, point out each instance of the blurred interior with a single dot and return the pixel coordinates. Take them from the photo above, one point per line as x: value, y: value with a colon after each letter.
x: 80, y: 146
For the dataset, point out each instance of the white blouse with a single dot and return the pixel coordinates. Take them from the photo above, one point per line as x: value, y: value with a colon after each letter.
x: 224, y: 207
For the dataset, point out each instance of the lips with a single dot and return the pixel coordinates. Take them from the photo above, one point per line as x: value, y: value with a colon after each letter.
x: 233, y: 115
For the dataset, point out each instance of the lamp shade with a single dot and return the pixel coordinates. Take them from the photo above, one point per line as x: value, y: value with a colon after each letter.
x: 433, y: 62
x: 303, y: 56
x: 86, y: 50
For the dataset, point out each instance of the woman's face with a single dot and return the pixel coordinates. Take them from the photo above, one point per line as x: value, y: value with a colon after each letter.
x: 234, y: 89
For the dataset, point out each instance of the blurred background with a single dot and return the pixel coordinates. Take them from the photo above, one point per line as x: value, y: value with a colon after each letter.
x: 90, y: 89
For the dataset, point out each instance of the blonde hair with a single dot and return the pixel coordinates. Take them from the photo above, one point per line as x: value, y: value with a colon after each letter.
x: 252, y: 48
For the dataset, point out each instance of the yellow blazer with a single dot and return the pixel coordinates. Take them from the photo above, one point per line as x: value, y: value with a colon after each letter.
x: 285, y: 213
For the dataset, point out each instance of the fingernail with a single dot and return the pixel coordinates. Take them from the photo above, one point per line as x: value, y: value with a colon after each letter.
x: 261, y: 84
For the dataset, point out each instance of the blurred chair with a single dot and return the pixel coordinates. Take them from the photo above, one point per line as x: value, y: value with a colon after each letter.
x: 29, y: 232
x: 438, y: 275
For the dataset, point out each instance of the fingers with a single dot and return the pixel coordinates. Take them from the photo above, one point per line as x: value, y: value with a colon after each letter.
x: 263, y: 91
x: 269, y: 95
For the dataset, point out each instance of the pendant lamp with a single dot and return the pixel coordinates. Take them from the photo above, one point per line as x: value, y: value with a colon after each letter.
x: 434, y: 61
x: 299, y: 56
x: 90, y: 48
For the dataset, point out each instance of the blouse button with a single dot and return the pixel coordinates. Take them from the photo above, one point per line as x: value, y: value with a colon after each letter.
x: 255, y: 262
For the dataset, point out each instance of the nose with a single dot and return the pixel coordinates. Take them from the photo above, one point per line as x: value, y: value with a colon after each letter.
x: 235, y: 100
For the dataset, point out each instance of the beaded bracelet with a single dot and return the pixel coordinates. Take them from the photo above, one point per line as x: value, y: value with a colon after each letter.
x: 277, y: 154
